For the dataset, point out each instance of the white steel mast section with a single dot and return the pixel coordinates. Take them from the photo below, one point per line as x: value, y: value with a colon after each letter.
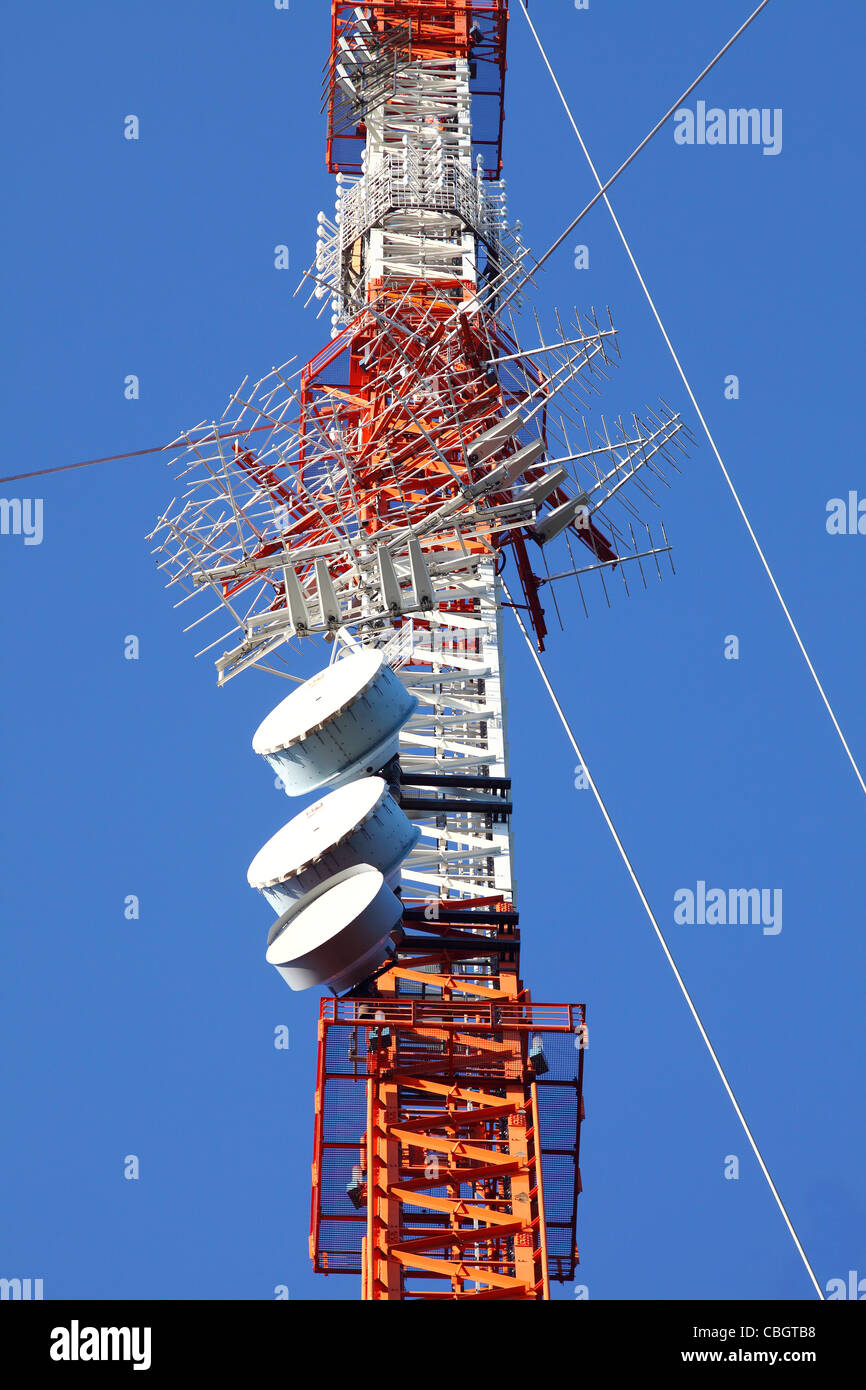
x: 416, y: 213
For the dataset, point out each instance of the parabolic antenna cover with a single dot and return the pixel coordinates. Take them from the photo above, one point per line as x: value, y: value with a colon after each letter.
x: 334, y: 936
x: 341, y: 723
x: 360, y: 823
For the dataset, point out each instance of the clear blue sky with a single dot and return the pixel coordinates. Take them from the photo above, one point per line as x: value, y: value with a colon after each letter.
x: 154, y: 1037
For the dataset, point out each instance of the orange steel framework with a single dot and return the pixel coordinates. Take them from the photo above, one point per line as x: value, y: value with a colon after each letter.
x: 425, y: 29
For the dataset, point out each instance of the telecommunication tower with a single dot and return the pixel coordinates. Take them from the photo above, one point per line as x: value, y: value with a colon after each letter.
x: 372, y: 499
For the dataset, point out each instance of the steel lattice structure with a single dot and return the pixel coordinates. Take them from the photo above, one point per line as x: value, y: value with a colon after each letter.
x: 372, y: 498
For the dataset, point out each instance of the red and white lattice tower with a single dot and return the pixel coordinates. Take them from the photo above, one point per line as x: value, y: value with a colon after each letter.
x: 371, y: 499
